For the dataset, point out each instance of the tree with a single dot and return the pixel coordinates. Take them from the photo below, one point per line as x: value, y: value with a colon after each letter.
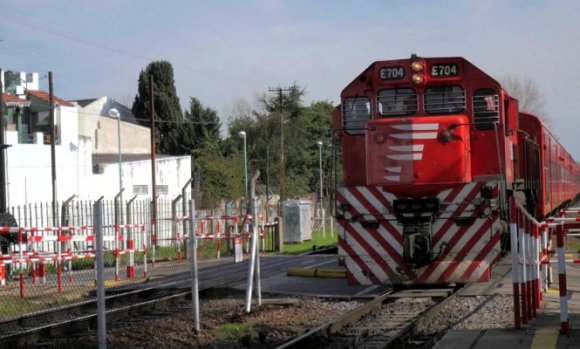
x: 221, y: 178
x: 200, y: 130
x: 11, y: 80
x: 168, y: 114
x: 303, y: 128
x: 527, y: 93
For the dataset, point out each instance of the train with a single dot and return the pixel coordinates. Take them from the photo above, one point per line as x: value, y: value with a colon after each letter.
x: 432, y: 149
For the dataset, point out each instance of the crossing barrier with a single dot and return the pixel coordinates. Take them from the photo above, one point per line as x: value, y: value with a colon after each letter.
x: 221, y: 229
x: 525, y: 251
x: 62, y: 245
x: 531, y: 243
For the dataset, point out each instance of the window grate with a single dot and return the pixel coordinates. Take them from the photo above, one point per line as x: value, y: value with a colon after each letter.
x: 444, y: 99
x: 397, y: 102
x: 485, y: 109
x: 356, y: 112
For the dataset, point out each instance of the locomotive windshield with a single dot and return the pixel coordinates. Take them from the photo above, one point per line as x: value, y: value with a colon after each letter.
x: 444, y: 99
x: 355, y: 114
x: 397, y: 102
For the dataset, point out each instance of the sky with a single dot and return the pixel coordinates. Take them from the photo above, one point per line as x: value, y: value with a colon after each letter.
x: 226, y: 51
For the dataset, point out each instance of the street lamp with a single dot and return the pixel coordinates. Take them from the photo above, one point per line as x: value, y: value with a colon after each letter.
x: 320, y: 195
x: 243, y: 136
x: 114, y: 113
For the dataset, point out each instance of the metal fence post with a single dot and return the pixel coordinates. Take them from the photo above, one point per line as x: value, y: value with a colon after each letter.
x: 193, y: 257
x: 101, y: 316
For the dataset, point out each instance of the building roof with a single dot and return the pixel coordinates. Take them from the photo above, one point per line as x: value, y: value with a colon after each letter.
x: 44, y: 96
x: 84, y: 102
x: 114, y: 158
x: 14, y: 101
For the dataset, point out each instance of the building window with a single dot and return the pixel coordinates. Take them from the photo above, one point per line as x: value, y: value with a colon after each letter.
x: 162, y: 189
x: 140, y: 190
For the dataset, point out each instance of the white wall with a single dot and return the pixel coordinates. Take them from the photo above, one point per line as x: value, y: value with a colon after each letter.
x: 29, y: 177
x: 103, y: 130
x: 173, y: 172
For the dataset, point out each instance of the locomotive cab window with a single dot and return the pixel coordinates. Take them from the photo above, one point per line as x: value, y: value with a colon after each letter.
x: 397, y: 102
x: 444, y: 99
x: 485, y: 109
x: 356, y: 112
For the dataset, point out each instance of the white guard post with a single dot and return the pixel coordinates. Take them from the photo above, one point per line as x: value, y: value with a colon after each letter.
x: 194, y: 277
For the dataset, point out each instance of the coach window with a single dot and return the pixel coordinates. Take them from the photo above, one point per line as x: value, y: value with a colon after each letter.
x: 444, y: 99
x: 485, y: 109
x: 397, y: 102
x: 356, y: 112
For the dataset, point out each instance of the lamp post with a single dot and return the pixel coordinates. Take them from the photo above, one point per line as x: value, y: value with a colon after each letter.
x: 243, y: 136
x: 114, y: 113
x: 319, y: 143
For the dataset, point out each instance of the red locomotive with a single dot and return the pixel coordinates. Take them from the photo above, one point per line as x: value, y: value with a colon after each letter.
x: 432, y: 148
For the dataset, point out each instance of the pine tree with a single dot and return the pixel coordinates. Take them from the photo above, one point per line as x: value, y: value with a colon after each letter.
x: 168, y: 114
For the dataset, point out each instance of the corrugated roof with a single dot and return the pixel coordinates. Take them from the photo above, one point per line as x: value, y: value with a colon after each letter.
x: 44, y: 96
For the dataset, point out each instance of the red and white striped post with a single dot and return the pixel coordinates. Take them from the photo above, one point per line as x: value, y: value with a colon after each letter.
x: 531, y: 284
x: 562, y: 279
x: 515, y: 264
x: 2, y: 272
x: 219, y: 238
x: 145, y: 272
x: 21, y: 256
x: 545, y: 256
x: 117, y: 251
x: 131, y: 251
x: 59, y: 260
x: 537, y: 258
x: 523, y: 267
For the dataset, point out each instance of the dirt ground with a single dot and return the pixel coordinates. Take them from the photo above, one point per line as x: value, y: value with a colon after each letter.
x: 224, y: 324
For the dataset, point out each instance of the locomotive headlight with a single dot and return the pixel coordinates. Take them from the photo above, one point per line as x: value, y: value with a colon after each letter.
x: 417, y: 66
x: 418, y: 78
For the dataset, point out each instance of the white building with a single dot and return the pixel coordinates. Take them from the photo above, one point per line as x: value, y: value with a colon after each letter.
x: 86, y: 152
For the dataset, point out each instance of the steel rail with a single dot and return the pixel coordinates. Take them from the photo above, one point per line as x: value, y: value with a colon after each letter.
x: 26, y: 333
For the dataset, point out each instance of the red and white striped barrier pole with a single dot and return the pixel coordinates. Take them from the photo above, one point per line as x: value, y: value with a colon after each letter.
x: 2, y: 272
x: 131, y: 262
x: 545, y: 256
x: 179, y: 237
x: 515, y: 263
x: 20, y: 254
x: 531, y: 266
x: 562, y: 280
x: 219, y: 240
x: 117, y: 254
x: 537, y: 258
x: 145, y: 272
x: 523, y: 265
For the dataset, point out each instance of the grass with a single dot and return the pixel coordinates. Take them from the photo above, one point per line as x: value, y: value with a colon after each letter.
x: 235, y: 330
x: 318, y: 240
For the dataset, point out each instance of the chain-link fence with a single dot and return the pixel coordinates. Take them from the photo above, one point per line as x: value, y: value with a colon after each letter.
x: 44, y: 264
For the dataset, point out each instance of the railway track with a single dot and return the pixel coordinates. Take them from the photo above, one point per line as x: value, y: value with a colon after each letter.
x: 126, y: 301
x: 387, y: 321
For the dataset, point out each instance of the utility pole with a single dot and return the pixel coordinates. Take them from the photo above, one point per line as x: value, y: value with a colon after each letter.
x: 282, y: 166
x: 153, y: 182
x: 52, y: 147
x: 2, y: 149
